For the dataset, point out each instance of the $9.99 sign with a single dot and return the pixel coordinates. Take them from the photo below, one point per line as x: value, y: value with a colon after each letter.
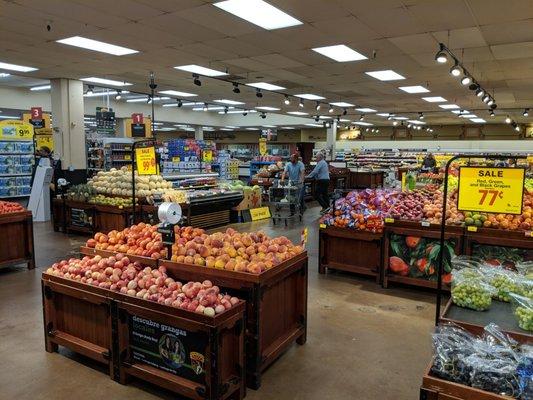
x: 145, y: 160
x: 492, y: 190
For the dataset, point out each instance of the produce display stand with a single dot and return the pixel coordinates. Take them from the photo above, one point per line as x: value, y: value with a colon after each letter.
x: 422, y: 230
x: 365, y: 179
x: 104, y: 325
x: 350, y: 250
x: 276, y: 301
x: 73, y: 209
x: 108, y: 218
x: 497, y: 237
x: 17, y: 245
x: 90, y: 251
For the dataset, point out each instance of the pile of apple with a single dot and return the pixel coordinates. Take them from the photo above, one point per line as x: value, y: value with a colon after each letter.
x: 231, y: 250
x: 119, y: 274
x: 140, y: 240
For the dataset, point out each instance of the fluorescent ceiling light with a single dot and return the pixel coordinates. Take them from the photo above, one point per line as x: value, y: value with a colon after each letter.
x: 197, y: 69
x: 468, y: 116
x: 384, y: 114
x: 325, y: 117
x: 177, y: 93
x: 400, y: 118
x: 145, y: 99
x: 268, y: 126
x: 367, y: 110
x: 252, y: 129
x: 105, y: 81
x: 460, y: 111
x: 414, y: 89
x: 230, y: 102
x: 226, y: 129
x: 342, y: 104
x: 258, y: 12
x: 385, y: 75
x: 109, y: 93
x: 95, y: 45
x: 265, y: 86
x: 435, y: 99
x: 39, y: 88
x: 231, y: 127
x: 340, y: 53
x: 315, y: 125
x: 287, y: 127
x: 216, y: 108
x: 416, y: 122
x: 344, y: 120
x: 309, y: 96
x: 4, y: 75
x: 158, y: 123
x: 208, y: 128
x: 8, y: 117
x: 362, y: 123
x: 267, y: 108
x: 192, y: 103
x: 449, y: 106
x: 297, y: 113
x: 478, y: 120
x: 14, y: 67
x: 237, y: 111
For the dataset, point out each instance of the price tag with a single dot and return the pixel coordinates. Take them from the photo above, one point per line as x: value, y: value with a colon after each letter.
x: 15, y: 130
x: 259, y: 213
x: 322, y: 226
x: 389, y: 220
x: 176, y: 159
x: 127, y: 157
x: 528, y: 233
x: 145, y: 160
x: 303, y: 237
x: 471, y: 228
x: 425, y: 223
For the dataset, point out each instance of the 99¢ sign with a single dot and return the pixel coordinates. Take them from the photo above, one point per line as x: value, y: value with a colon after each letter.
x: 145, y: 160
x: 492, y: 190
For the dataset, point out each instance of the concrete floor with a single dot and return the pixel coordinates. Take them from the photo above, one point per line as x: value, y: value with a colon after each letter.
x: 364, y: 342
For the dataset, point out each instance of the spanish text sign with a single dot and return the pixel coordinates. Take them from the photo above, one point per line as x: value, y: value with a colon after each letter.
x: 493, y: 190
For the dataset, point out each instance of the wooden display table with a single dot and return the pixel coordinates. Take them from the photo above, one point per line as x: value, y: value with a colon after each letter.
x: 350, y: 250
x: 16, y: 246
x: 276, y: 303
x: 90, y: 251
x: 426, y: 232
x: 365, y: 179
x: 127, y: 334
x: 475, y: 237
x: 108, y: 218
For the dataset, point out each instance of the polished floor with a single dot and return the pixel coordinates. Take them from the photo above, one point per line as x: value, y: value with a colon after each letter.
x: 364, y: 342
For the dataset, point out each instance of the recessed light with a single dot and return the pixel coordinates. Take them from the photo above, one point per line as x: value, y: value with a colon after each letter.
x: 265, y: 86
x: 385, y: 75
x: 178, y: 93
x: 103, y: 81
x: 342, y: 104
x: 366, y: 110
x: 258, y: 12
x: 414, y: 89
x: 39, y: 88
x: 297, y: 113
x: 95, y: 45
x: 252, y: 129
x: 14, y: 67
x: 230, y: 102
x: 340, y: 53
x: 197, y: 69
x: 287, y: 127
x: 449, y: 106
x: 309, y: 96
x: 478, y: 120
x: 435, y: 99
x: 267, y: 108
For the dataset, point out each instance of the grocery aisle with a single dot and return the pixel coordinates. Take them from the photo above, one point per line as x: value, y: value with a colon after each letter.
x: 364, y: 342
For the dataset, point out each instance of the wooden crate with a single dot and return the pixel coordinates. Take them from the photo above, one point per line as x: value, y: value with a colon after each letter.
x: 17, y: 245
x: 408, y: 228
x: 112, y: 328
x: 108, y: 218
x: 89, y: 210
x: 276, y: 312
x: 350, y: 250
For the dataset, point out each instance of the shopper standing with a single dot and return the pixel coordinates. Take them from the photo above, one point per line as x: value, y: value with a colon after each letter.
x: 429, y: 163
x: 321, y: 175
x: 295, y: 169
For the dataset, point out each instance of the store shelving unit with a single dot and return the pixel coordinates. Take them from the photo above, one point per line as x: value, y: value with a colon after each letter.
x: 16, y: 167
x: 117, y: 152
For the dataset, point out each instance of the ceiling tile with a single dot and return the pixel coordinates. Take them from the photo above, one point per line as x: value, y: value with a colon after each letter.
x: 278, y: 60
x: 461, y: 38
x: 512, y: 50
x: 346, y: 29
x: 311, y: 10
x: 411, y: 44
x: 491, y: 11
x: 429, y: 14
x: 508, y: 32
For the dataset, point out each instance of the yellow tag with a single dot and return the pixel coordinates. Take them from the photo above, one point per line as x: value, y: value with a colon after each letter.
x: 176, y: 159
x: 471, y: 228
x: 262, y: 146
x: 389, y: 220
x: 145, y: 160
x: 493, y: 190
x: 44, y: 140
x: 15, y: 130
x: 322, y: 226
x: 259, y: 213
x: 127, y: 157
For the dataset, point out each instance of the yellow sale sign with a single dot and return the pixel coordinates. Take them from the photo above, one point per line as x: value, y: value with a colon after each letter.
x: 262, y: 146
x: 492, y: 190
x: 259, y: 213
x: 146, y: 161
x: 15, y: 130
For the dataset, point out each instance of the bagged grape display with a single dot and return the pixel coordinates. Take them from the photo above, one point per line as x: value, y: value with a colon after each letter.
x: 469, y: 289
x: 523, y: 311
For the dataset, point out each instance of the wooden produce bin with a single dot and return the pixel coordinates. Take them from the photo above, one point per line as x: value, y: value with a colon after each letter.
x: 127, y: 334
x: 365, y: 179
x: 17, y: 246
x: 108, y: 218
x: 417, y: 230
x: 90, y: 251
x: 350, y: 250
x: 58, y: 214
x: 276, y: 307
x: 79, y: 217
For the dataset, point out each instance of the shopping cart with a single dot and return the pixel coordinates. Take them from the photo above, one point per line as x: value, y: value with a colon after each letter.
x: 284, y: 201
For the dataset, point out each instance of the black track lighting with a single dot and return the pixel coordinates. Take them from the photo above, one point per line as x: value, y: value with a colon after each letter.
x: 226, y: 109
x: 466, y: 80
x: 441, y: 57
x: 420, y: 115
x: 287, y: 101
x: 473, y: 86
x: 362, y: 117
x: 245, y: 113
x: 205, y: 108
x: 118, y: 96
x: 331, y: 109
x: 301, y: 104
x: 490, y: 102
x: 408, y: 126
x: 480, y: 92
x: 507, y: 120
x: 517, y: 127
x: 485, y: 98
x: 180, y: 103
x: 491, y: 113
x: 338, y: 118
x: 90, y: 89
x: 317, y: 118
x: 263, y: 115
x: 149, y: 100
x: 455, y: 70
x: 317, y: 107
x: 344, y: 112
x: 196, y: 80
x: 258, y: 93
x: 389, y: 117
x: 366, y: 130
x: 236, y: 88
x: 493, y: 106
x: 526, y: 112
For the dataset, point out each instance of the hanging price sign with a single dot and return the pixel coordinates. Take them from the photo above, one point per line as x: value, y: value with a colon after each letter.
x: 15, y: 130
x: 146, y: 161
x: 262, y: 146
x: 493, y: 190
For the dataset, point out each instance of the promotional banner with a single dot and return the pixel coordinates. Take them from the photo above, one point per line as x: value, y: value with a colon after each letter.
x: 146, y: 161
x: 15, y: 130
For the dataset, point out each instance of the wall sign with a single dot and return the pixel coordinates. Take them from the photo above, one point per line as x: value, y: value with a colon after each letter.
x: 105, y: 120
x: 145, y: 160
x: 493, y: 190
x: 168, y: 348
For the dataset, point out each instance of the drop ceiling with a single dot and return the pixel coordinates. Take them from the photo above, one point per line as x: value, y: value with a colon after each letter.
x: 493, y: 37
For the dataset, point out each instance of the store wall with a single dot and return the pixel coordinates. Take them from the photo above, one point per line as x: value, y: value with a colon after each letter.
x: 442, y: 145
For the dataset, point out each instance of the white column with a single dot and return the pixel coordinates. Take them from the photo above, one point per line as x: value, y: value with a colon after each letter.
x: 69, y: 132
x: 331, y: 140
x: 199, y: 132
